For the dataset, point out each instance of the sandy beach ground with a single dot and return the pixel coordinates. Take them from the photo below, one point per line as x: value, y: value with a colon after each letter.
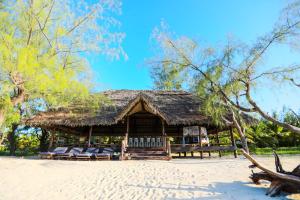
x: 224, y: 178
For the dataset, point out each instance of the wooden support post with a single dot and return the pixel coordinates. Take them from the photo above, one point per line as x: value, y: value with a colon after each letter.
x: 200, y: 141
x: 218, y: 142
x: 233, y: 142
x: 169, y: 148
x: 90, y: 135
x: 122, y: 156
x: 209, y: 153
x: 192, y: 153
x: 100, y: 141
x: 164, y: 135
x: 127, y: 131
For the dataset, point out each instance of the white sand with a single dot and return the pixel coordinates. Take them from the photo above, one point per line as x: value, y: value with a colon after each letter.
x: 215, y: 178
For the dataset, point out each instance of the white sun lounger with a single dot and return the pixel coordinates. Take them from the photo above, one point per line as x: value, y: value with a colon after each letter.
x: 72, y: 153
x: 104, y: 154
x: 88, y: 154
x: 50, y: 154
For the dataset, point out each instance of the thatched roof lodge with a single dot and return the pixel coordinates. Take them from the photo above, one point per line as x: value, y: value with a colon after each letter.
x: 144, y: 119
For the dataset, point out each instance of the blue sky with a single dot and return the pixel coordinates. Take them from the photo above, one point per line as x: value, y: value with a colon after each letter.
x: 211, y: 21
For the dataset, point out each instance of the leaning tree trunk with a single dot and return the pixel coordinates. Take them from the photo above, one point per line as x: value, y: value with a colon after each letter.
x: 12, y: 140
x: 241, y: 132
x: 293, y: 129
x: 280, y: 180
x: 244, y: 143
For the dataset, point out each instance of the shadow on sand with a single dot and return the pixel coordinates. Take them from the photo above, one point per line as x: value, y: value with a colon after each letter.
x: 235, y: 190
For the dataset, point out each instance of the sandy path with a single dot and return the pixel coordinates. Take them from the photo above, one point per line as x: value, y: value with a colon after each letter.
x: 177, y: 179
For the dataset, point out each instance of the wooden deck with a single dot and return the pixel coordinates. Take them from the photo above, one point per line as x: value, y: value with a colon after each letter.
x: 191, y: 148
x: 146, y: 154
x: 178, y: 148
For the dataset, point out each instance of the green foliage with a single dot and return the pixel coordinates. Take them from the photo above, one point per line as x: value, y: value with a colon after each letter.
x: 267, y: 134
x: 42, y: 46
x: 27, y: 143
x: 169, y: 77
x: 183, y: 63
x: 225, y: 76
x: 12, y: 114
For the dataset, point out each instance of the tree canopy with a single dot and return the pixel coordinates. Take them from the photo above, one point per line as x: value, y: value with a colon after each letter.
x: 225, y: 77
x: 42, y: 48
x: 230, y: 73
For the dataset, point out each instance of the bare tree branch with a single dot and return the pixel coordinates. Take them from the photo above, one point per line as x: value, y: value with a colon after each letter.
x: 220, y: 90
x: 294, y: 82
x: 269, y: 117
x: 41, y: 29
x: 30, y: 29
x: 81, y: 21
x: 282, y: 71
x: 284, y: 30
x: 48, y: 16
x: 296, y: 115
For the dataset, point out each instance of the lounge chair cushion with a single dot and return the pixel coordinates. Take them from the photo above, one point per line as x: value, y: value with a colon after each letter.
x: 104, y: 152
x: 72, y: 152
x: 57, y: 150
x: 108, y: 150
x: 88, y: 153
x: 76, y: 150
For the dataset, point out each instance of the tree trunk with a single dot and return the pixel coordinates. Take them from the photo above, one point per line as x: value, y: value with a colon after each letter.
x: 18, y: 98
x: 1, y: 117
x: 241, y: 132
x: 244, y: 143
x: 44, y: 144
x: 2, y: 137
x: 280, y: 180
x: 12, y: 140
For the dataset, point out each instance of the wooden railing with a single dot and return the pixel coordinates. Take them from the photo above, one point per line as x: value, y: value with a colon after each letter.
x: 178, y: 148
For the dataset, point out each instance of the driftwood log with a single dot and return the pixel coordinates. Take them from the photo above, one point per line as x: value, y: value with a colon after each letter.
x: 281, y: 180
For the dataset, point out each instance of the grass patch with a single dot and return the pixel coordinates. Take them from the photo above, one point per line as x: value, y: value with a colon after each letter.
x: 256, y: 151
x: 279, y: 150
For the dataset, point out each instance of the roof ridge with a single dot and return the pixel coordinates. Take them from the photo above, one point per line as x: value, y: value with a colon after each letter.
x: 147, y: 91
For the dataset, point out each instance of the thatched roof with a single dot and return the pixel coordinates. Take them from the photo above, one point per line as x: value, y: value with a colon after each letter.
x: 174, y: 107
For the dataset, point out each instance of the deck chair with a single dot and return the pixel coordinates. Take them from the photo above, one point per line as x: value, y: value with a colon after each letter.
x: 148, y: 142
x: 104, y: 154
x: 87, y: 154
x: 141, y: 144
x: 130, y: 142
x: 153, y: 143
x: 71, y: 154
x: 50, y: 154
x: 159, y: 142
x: 136, y: 142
